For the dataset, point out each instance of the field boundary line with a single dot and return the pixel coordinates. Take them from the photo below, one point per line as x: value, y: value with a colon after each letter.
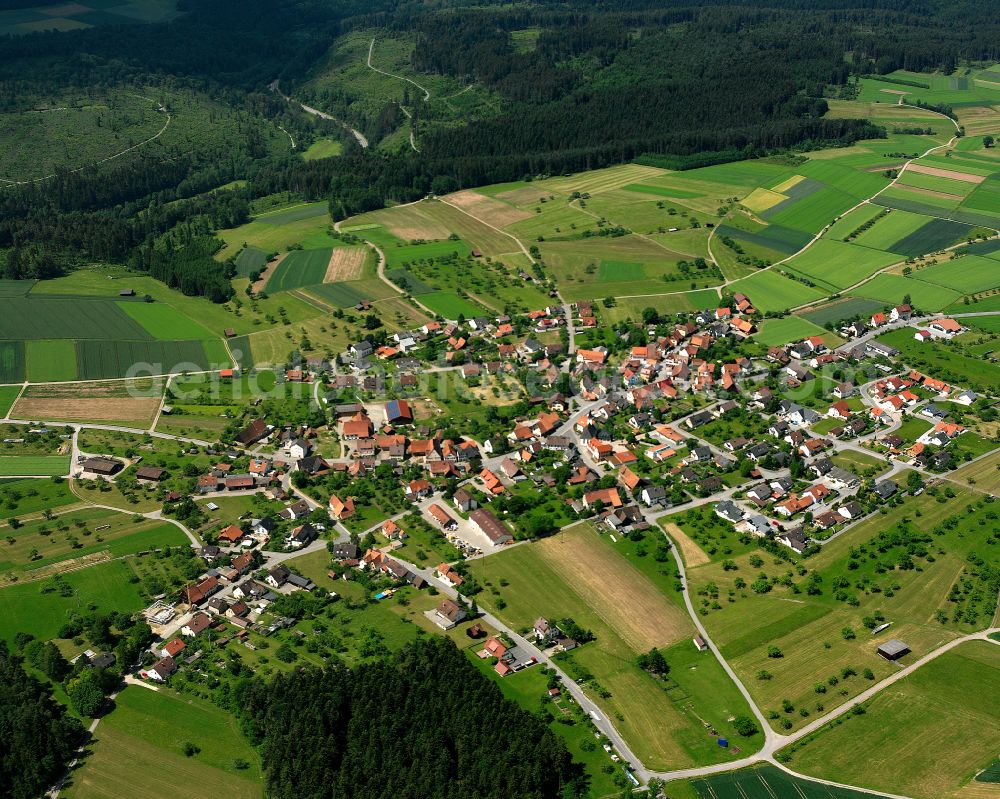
x: 310, y: 300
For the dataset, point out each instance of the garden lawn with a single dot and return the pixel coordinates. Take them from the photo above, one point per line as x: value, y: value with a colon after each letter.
x: 926, y: 735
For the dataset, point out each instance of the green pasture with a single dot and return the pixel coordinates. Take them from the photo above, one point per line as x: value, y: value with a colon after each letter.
x: 323, y: 148
x: 841, y: 310
x: 890, y: 228
x: 343, y: 295
x: 837, y: 264
x: 857, y: 183
x: 7, y: 396
x: 852, y: 220
x: 106, y: 281
x: 276, y: 231
x: 989, y: 324
x: 618, y: 271
x: 920, y: 180
x: 919, y: 202
x: 890, y: 290
x: 41, y: 608
x: 141, y: 744
x: 968, y: 274
x: 771, y: 291
x: 790, y: 328
x: 101, y: 360
x: 935, y: 235
x: 932, y: 730
x: 815, y: 211
x: 38, y: 317
x: 18, y: 497
x: 165, y: 323
x: 783, y: 240
x: 450, y: 306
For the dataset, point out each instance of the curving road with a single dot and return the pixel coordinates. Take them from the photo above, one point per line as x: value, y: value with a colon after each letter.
x: 357, y: 134
x: 427, y: 94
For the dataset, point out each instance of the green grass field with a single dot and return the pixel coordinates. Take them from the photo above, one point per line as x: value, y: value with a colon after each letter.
x: 38, y: 317
x: 890, y: 290
x: 837, y: 265
x: 850, y: 222
x: 928, y: 734
x: 41, y: 608
x: 33, y: 465
x: 277, y: 230
x: 42, y: 543
x: 890, y: 229
x: 449, y: 305
x: 18, y: 497
x: 770, y: 291
x: 935, y: 235
x: 138, y: 751
x: 323, y: 148
x: 7, y: 396
x: 250, y: 260
x: 165, y: 323
x: 50, y: 360
x: 969, y: 274
x: 106, y: 281
x: 789, y: 328
x: 299, y: 268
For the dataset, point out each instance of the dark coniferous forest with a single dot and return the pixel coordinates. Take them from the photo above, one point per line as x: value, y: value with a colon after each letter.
x: 37, y: 737
x: 423, y: 725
